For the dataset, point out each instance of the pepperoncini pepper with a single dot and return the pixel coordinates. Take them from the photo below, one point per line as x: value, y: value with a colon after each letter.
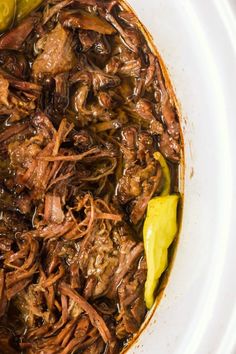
x: 17, y: 10
x: 25, y: 7
x: 7, y: 14
x: 160, y: 228
x: 166, y: 172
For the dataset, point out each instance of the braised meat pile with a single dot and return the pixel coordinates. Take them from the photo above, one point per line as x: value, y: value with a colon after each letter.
x: 83, y: 107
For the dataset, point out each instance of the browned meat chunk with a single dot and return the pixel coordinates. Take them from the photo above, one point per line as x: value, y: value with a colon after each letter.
x: 142, y: 174
x: 86, y: 21
x: 131, y: 300
x: 146, y: 110
x: 17, y: 36
x: 169, y: 147
x: 4, y: 84
x: 58, y: 55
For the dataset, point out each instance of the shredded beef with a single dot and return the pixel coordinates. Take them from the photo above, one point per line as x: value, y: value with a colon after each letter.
x: 84, y: 105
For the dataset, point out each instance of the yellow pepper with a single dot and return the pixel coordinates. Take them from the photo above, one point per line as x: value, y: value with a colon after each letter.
x: 25, y: 7
x: 7, y: 14
x: 160, y: 228
x: 166, y: 172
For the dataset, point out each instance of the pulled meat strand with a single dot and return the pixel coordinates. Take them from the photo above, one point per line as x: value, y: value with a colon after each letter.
x: 12, y: 130
x: 70, y: 157
x: 95, y: 319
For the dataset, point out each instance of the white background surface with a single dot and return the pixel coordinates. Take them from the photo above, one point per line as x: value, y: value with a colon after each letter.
x: 197, y: 40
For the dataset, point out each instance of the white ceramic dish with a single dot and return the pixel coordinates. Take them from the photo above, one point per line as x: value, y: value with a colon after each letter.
x: 197, y: 40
